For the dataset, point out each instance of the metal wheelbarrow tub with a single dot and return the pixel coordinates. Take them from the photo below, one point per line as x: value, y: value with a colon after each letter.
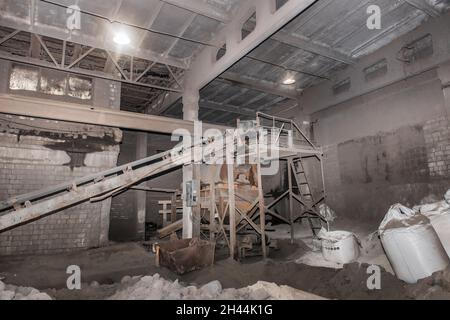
x: 186, y: 255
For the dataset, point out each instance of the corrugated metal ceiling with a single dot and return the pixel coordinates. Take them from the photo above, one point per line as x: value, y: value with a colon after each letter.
x: 166, y: 30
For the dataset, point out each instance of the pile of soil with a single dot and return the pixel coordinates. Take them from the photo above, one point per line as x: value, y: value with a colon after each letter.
x: 351, y: 283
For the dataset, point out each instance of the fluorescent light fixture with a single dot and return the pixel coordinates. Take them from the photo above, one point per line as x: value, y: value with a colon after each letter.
x: 289, y: 81
x: 121, y: 38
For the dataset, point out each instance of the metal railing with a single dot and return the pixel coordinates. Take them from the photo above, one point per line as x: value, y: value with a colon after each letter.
x: 285, y: 126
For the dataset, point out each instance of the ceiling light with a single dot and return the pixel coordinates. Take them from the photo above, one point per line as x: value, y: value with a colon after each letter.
x: 289, y: 81
x: 121, y: 38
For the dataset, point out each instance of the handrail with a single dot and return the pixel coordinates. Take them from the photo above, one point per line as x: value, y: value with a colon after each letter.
x: 290, y: 121
x: 268, y: 116
x: 303, y: 135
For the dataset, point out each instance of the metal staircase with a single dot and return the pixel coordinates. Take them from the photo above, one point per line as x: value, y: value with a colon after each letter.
x: 301, y: 179
x: 304, y: 191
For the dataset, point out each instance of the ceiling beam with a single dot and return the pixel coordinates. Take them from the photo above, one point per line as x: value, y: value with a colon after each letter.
x: 9, y: 36
x: 169, y: 99
x: 424, y: 7
x: 204, y: 68
x: 63, y: 111
x: 260, y: 85
x: 207, y: 10
x: 35, y: 48
x: 202, y: 8
x: 211, y: 105
x: 309, y: 46
x: 287, y: 38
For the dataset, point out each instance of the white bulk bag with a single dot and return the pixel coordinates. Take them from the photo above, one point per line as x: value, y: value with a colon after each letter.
x: 339, y: 246
x: 439, y: 215
x: 411, y: 244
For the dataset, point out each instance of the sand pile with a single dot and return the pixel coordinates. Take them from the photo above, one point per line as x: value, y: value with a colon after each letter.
x: 156, y: 288
x: 10, y: 292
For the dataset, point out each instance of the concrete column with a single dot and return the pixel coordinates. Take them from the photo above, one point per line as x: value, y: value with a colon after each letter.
x: 4, y: 81
x: 104, y: 222
x: 190, y: 105
x: 191, y: 216
x: 141, y: 197
x: 106, y: 94
x: 444, y: 75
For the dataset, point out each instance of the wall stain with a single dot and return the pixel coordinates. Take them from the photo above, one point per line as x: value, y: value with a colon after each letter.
x: 76, y: 146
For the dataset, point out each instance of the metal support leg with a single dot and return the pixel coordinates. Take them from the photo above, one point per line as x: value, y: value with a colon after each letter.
x: 262, y: 210
x: 231, y: 208
x: 291, y: 198
x: 212, y: 210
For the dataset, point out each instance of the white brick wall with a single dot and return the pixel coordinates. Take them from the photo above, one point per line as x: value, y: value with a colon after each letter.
x: 437, y: 137
x: 26, y: 165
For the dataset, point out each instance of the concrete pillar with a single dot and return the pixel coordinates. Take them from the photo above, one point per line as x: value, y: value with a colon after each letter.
x: 141, y: 197
x: 444, y: 75
x: 106, y: 94
x: 104, y: 222
x: 190, y: 105
x: 4, y: 81
x: 191, y: 216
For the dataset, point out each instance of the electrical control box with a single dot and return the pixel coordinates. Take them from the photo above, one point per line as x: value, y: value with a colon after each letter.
x: 192, y: 193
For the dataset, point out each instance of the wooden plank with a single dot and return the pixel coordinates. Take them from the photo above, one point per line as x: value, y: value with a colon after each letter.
x: 250, y: 221
x: 173, y: 209
x: 276, y: 215
x: 277, y: 199
x: 171, y: 228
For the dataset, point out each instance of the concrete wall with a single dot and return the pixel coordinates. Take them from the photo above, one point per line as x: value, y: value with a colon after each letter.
x: 170, y: 180
x: 386, y: 139
x: 37, y: 153
x: 124, y: 210
x: 123, y: 206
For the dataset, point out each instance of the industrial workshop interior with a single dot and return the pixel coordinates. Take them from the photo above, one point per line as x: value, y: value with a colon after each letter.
x: 245, y: 150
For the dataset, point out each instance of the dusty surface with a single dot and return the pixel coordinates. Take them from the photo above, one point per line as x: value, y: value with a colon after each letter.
x: 104, y: 265
x: 103, y: 271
